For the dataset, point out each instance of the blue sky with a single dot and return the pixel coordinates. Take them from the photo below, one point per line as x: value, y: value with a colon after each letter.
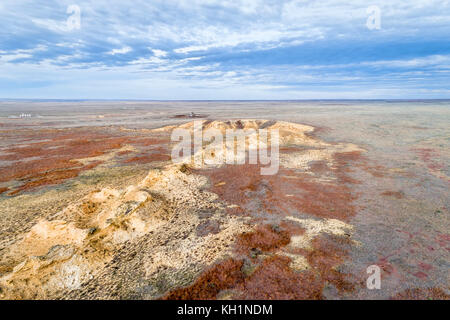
x: 220, y: 49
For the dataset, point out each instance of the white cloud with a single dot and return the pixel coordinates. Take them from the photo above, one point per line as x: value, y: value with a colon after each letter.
x: 12, y: 57
x: 6, y: 56
x: 55, y: 26
x: 156, y: 29
x: 159, y: 53
x: 270, y: 37
x: 123, y: 50
x: 433, y: 60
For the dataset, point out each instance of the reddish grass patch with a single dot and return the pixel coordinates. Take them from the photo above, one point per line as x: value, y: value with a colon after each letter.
x: 3, y: 190
x: 395, y: 194
x: 425, y: 154
x: 265, y: 238
x: 425, y: 266
x: 420, y: 275
x: 274, y: 280
x: 272, y: 198
x: 237, y: 178
x: 311, y: 197
x: 272, y: 277
x: 53, y: 177
x: 355, y: 158
x: 328, y: 253
x: 290, y: 149
x: 225, y: 275
x: 147, y: 158
x: 49, y: 156
x: 124, y: 153
x: 28, y: 170
x: 147, y: 142
x: 54, y: 158
x: 422, y: 294
x: 319, y: 167
x: 428, y: 156
x: 343, y: 168
x: 279, y: 194
x: 443, y: 240
x: 155, y: 154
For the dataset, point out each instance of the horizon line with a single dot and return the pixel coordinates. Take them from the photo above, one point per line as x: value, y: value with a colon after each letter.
x: 220, y: 100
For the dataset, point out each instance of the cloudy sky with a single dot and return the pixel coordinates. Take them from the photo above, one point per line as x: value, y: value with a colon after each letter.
x: 223, y: 49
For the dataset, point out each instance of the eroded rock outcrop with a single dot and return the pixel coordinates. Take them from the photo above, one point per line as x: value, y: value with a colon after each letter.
x: 144, y: 240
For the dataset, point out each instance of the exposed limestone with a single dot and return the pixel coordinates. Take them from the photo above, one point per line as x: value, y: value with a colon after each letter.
x: 298, y: 262
x: 63, y: 254
x: 316, y: 227
x: 306, y: 148
x: 303, y: 159
x: 313, y: 228
x: 142, y: 240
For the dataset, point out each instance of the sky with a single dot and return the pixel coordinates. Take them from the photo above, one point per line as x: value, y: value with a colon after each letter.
x: 225, y: 50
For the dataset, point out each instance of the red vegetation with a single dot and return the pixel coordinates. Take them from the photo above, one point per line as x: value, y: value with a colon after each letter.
x: 272, y: 277
x: 318, y: 167
x: 53, y: 177
x: 421, y: 275
x: 343, y: 161
x: 225, y: 275
x: 329, y: 253
x: 147, y: 142
x: 53, y: 159
x: 275, y: 280
x: 49, y: 156
x: 271, y: 198
x: 146, y: 158
x: 265, y: 238
x: 291, y: 149
x: 286, y: 193
x: 422, y: 294
x: 425, y: 266
x: 428, y: 156
x: 443, y: 240
x: 124, y: 153
x: 425, y: 154
x: 395, y: 194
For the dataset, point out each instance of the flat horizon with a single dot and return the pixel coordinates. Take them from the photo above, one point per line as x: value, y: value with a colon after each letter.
x: 223, y: 100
